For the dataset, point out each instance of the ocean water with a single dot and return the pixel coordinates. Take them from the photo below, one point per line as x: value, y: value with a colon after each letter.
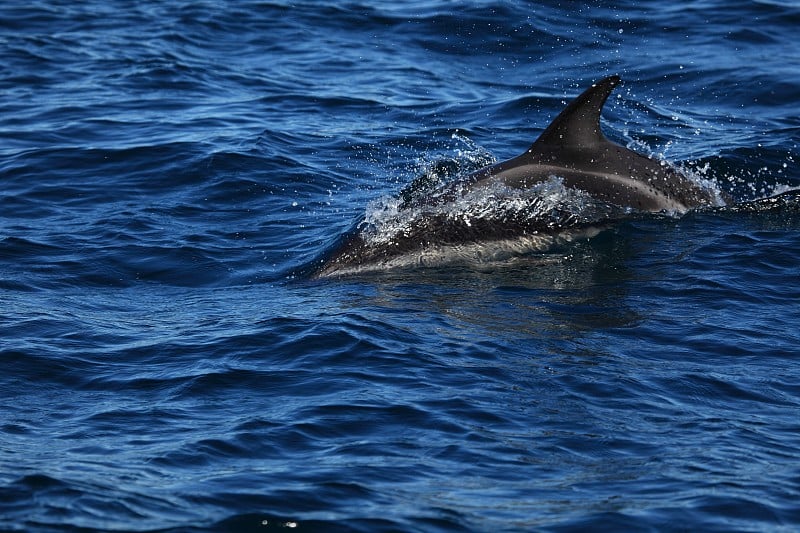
x: 171, y: 172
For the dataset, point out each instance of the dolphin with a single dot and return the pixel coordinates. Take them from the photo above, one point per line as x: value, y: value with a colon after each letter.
x: 572, y: 148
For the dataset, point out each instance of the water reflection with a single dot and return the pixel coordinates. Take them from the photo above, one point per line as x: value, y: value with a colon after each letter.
x: 576, y: 288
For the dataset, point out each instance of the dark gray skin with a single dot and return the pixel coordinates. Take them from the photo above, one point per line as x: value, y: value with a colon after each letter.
x: 573, y: 148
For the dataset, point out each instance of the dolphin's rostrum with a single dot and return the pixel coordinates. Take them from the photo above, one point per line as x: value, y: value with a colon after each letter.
x: 572, y: 149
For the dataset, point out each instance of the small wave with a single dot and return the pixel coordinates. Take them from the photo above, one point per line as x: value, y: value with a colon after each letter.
x: 786, y: 202
x: 748, y: 174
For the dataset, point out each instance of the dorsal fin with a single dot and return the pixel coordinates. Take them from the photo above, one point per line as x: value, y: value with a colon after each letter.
x: 578, y: 125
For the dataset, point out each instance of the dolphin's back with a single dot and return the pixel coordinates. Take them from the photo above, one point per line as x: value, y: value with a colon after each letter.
x: 574, y: 148
x: 430, y: 226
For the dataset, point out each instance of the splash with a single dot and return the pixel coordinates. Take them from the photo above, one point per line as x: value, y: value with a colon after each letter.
x: 441, y: 218
x: 473, y: 226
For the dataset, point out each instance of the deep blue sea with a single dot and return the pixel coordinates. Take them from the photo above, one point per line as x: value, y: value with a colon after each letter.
x: 171, y: 172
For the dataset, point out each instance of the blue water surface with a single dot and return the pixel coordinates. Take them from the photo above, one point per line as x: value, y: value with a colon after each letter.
x: 170, y: 169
